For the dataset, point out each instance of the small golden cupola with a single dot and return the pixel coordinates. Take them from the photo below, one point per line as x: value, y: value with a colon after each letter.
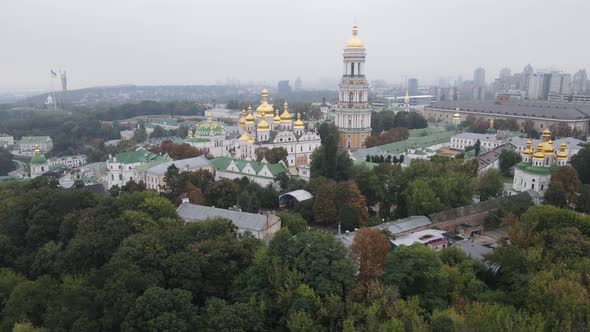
x: 539, y: 155
x: 354, y: 41
x: 277, y: 118
x: 528, y: 152
x: 549, y: 149
x: 263, y: 125
x: 456, y: 116
x: 243, y: 118
x: 562, y: 155
x: 298, y: 124
x: 264, y: 109
x: 285, y: 117
x: 245, y: 137
x: 249, y: 117
x: 546, y: 135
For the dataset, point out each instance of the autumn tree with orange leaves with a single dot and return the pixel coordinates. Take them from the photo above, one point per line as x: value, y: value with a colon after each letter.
x: 368, y: 251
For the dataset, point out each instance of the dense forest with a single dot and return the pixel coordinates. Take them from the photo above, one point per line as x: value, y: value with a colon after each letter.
x: 76, y: 261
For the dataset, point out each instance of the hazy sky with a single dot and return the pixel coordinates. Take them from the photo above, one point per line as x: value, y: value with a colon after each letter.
x: 107, y: 42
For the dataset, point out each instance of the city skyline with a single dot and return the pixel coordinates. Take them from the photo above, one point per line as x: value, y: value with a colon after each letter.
x: 153, y: 43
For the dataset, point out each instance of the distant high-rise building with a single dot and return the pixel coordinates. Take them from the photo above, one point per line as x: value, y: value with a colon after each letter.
x: 505, y: 72
x: 559, y: 83
x: 580, y: 82
x: 479, y: 77
x: 64, y: 81
x: 298, y: 84
x: 525, y: 77
x: 284, y: 87
x: 535, y: 86
x: 413, y: 86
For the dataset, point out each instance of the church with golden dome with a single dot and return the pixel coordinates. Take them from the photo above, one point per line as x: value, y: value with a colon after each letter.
x: 353, y: 113
x: 269, y: 128
x: 538, y: 163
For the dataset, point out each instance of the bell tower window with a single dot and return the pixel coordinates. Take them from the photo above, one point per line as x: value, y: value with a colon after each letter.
x: 350, y: 97
x: 352, y: 69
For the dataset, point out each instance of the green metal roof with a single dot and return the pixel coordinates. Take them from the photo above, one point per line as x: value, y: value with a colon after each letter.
x: 222, y: 163
x: 138, y: 156
x: 197, y: 140
x: 415, y: 141
x: 155, y: 162
x: 526, y: 167
x: 35, y: 139
x: 38, y: 160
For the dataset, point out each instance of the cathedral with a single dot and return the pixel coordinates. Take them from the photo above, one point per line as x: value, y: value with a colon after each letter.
x: 534, y: 172
x: 353, y: 114
x: 266, y: 128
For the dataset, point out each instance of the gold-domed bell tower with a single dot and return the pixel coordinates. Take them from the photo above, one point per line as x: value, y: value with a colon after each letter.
x: 264, y: 109
x: 276, y: 121
x: 353, y: 114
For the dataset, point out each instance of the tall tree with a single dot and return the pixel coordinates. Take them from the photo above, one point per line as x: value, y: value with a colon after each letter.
x: 489, y: 185
x: 508, y: 158
x: 565, y: 182
x: 581, y: 163
x: 368, y: 251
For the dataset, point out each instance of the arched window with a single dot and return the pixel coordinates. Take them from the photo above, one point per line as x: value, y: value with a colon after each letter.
x: 350, y: 97
x: 352, y: 69
x: 361, y: 96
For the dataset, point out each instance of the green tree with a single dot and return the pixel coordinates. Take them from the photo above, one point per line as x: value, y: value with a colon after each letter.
x: 477, y: 147
x: 508, y: 158
x: 293, y: 221
x: 581, y: 163
x: 565, y: 181
x: 6, y: 163
x: 325, y: 210
x: 421, y: 199
x: 222, y: 194
x: 489, y: 185
x: 417, y: 270
x: 161, y: 309
x: 583, y: 202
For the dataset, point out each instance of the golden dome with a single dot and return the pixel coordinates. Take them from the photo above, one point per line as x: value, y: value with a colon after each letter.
x: 549, y: 149
x: 264, y: 109
x: 456, y: 116
x: 245, y: 137
x: 528, y: 151
x: 546, y: 134
x: 251, y: 141
x: 243, y: 118
x: 562, y: 154
x: 286, y: 116
x: 298, y: 124
x: 263, y: 125
x: 249, y: 117
x: 539, y: 152
x: 277, y: 118
x: 354, y: 41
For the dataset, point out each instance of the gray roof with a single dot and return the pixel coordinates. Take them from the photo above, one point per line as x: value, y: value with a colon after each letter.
x: 190, y: 163
x: 519, y: 108
x: 569, y: 141
x: 243, y: 220
x: 475, y: 136
x: 477, y: 252
x: 404, y: 225
x: 300, y: 195
x: 494, y: 154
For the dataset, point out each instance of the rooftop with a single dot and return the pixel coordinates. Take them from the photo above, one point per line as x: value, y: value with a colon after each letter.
x: 243, y: 220
x: 519, y: 108
x: 491, y: 156
x: 35, y: 139
x: 190, y: 163
x: 477, y: 252
x: 422, y: 237
x: 222, y: 163
x: 404, y: 225
x: 138, y: 156
x: 419, y: 138
x: 536, y: 169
